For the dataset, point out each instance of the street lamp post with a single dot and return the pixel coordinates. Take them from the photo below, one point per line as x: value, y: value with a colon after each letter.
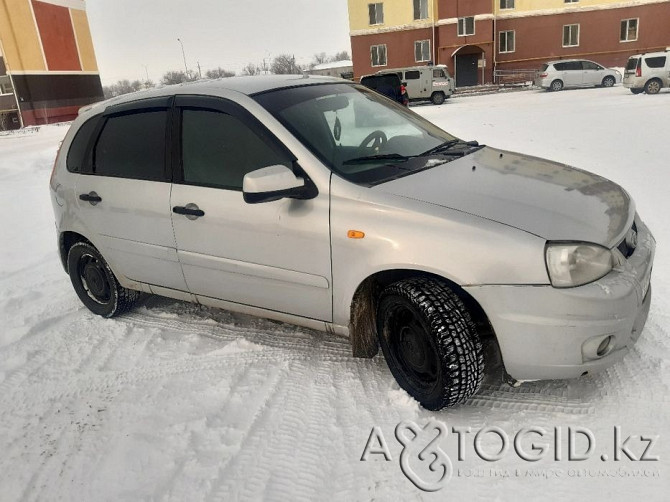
x: 183, y: 55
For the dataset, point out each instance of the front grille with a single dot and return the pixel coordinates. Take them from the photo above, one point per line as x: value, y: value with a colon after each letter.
x: 629, y: 243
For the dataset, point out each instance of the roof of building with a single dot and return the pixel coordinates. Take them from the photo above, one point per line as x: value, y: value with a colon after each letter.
x: 335, y: 64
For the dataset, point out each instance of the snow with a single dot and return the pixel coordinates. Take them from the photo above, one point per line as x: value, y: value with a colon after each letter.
x: 334, y: 64
x: 174, y: 401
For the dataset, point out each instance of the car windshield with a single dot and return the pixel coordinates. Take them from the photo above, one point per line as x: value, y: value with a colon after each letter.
x: 359, y: 134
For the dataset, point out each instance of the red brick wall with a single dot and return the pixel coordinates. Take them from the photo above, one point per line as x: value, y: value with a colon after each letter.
x: 540, y: 38
x: 399, y: 49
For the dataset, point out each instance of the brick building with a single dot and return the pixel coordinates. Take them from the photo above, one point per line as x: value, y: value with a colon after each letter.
x: 475, y: 37
x: 48, y: 68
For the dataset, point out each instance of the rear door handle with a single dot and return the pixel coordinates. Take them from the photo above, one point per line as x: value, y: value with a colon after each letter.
x: 91, y: 197
x: 191, y: 211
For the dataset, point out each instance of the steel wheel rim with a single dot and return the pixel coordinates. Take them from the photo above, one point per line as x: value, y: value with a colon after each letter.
x: 94, y: 279
x: 413, y: 350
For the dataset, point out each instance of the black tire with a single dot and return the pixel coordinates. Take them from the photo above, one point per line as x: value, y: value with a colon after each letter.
x: 437, y: 98
x: 556, y: 85
x: 608, y: 81
x: 653, y: 86
x: 95, y: 283
x: 636, y: 91
x: 430, y: 342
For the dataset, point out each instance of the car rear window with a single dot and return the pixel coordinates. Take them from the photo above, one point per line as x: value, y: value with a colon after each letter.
x: 632, y: 63
x: 655, y: 62
x: 77, y: 152
x: 544, y: 67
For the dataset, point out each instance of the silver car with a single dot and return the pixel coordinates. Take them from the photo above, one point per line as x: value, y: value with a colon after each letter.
x: 648, y: 72
x: 556, y: 75
x: 318, y: 202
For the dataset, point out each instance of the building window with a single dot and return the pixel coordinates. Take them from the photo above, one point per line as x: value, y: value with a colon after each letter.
x: 570, y: 35
x: 466, y: 26
x: 378, y: 55
x: 420, y: 9
x: 506, y: 41
x: 376, y: 11
x: 628, y: 30
x: 422, y: 51
x: 570, y: 1
x: 506, y: 4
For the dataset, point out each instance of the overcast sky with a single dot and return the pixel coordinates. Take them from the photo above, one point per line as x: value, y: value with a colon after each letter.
x: 130, y: 34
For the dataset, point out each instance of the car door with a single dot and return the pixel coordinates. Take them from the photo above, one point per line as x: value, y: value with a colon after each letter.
x: 123, y: 193
x: 593, y: 73
x: 573, y: 74
x: 273, y: 255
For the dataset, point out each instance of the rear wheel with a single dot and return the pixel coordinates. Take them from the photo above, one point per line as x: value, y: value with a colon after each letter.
x: 437, y: 98
x: 653, y: 86
x: 608, y: 81
x: 430, y: 342
x: 556, y: 85
x: 95, y: 283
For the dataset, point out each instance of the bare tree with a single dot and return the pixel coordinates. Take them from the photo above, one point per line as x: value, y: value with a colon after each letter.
x: 285, y: 64
x: 177, y: 77
x: 341, y: 56
x: 219, y: 73
x: 122, y: 87
x: 319, y: 58
x: 251, y: 69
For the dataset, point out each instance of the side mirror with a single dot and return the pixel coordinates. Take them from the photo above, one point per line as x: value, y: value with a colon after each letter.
x: 275, y: 182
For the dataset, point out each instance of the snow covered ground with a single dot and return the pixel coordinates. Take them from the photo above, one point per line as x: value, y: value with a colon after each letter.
x: 178, y: 402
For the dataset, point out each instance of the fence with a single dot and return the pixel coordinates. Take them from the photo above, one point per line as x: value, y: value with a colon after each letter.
x: 514, y: 77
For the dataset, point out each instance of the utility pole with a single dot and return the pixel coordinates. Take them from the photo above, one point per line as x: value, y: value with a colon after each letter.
x: 199, y: 70
x: 183, y: 55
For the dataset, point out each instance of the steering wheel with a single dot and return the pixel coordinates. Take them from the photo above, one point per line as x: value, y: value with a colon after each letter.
x: 377, y: 137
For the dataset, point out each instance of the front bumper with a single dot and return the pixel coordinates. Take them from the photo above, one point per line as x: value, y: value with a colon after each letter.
x: 550, y: 333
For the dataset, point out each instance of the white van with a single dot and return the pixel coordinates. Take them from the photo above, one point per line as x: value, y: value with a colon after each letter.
x: 426, y: 82
x: 647, y: 72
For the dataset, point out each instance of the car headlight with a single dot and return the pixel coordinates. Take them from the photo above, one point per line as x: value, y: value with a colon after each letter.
x: 574, y: 264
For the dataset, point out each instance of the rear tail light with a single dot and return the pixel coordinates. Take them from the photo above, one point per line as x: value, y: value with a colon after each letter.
x: 638, y: 71
x: 544, y: 75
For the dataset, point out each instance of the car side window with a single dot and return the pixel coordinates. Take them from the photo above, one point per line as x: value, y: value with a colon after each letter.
x: 588, y: 65
x: 76, y: 156
x: 412, y: 75
x: 132, y: 145
x: 655, y: 62
x: 218, y: 149
x: 561, y: 66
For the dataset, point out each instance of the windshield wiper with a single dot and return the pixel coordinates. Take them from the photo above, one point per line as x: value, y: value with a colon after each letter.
x: 444, y: 147
x: 373, y: 158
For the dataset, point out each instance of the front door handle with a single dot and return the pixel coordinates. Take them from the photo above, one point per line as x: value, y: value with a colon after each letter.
x: 91, y: 197
x: 191, y: 211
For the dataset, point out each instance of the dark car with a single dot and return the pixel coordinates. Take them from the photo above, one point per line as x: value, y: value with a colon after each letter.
x: 387, y: 84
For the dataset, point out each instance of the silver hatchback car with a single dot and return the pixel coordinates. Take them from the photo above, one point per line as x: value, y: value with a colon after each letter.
x: 557, y: 75
x: 319, y: 202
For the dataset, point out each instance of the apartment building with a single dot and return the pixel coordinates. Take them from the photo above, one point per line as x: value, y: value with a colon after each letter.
x: 48, y: 68
x: 476, y: 37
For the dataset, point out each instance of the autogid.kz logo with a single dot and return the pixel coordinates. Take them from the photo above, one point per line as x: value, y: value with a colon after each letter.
x: 425, y: 463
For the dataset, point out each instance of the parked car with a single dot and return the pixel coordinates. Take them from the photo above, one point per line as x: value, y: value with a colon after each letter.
x: 647, y: 72
x: 318, y: 202
x: 386, y: 84
x: 557, y: 75
x: 431, y: 82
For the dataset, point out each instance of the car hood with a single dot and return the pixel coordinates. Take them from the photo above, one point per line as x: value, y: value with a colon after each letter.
x: 548, y: 199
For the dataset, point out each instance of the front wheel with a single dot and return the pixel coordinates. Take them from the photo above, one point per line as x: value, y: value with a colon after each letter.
x: 95, y: 283
x: 430, y: 342
x: 608, y: 81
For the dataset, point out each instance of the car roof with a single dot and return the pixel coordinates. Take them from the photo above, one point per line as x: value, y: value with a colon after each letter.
x: 247, y: 85
x: 569, y: 61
